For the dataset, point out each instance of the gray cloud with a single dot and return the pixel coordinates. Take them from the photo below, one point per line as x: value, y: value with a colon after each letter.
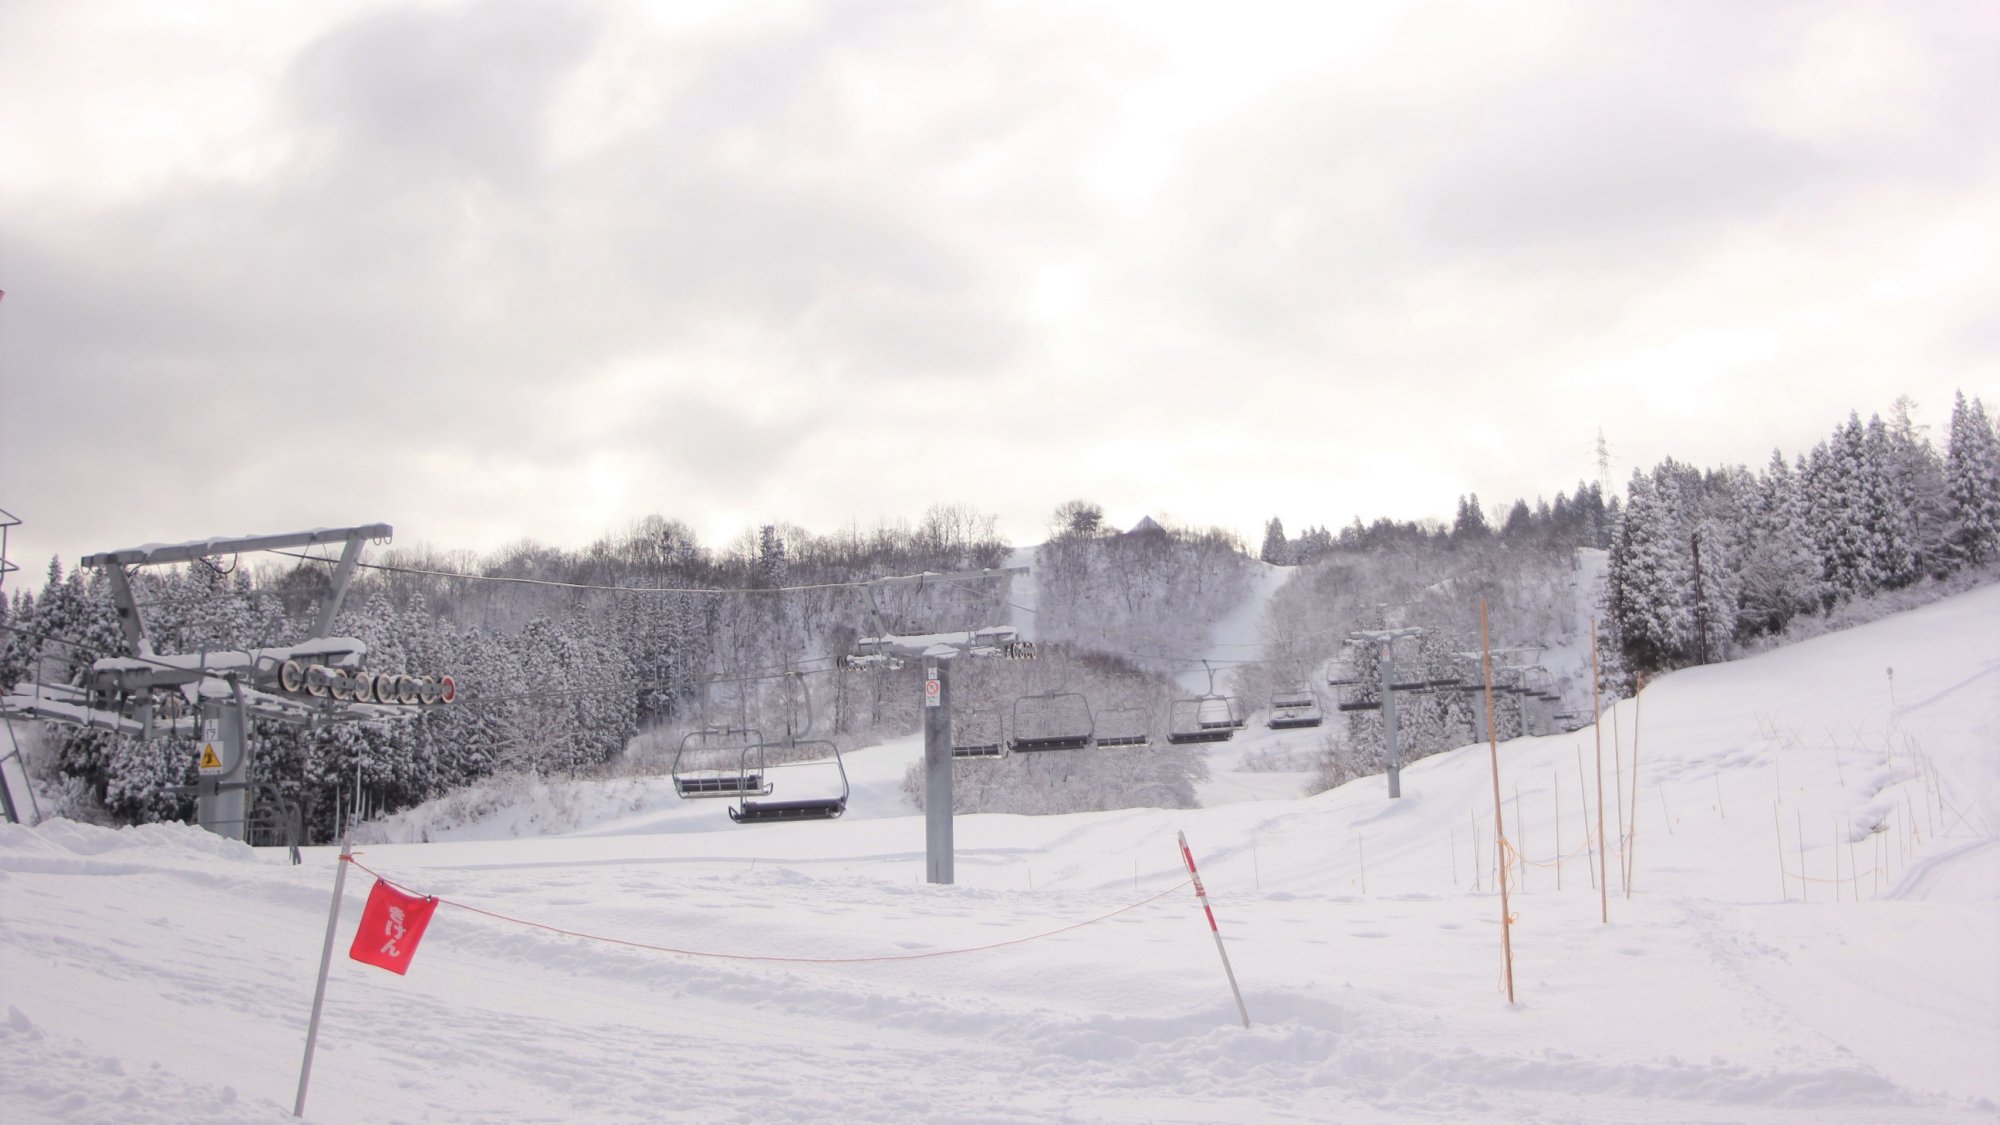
x: 497, y: 270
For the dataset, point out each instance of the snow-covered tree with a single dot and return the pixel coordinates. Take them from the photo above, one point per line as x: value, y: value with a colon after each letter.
x: 1276, y: 550
x: 1972, y: 484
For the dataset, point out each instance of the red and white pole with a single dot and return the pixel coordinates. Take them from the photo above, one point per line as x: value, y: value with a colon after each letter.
x: 1202, y: 896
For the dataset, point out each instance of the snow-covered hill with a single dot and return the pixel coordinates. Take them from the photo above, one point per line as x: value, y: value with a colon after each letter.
x: 159, y: 974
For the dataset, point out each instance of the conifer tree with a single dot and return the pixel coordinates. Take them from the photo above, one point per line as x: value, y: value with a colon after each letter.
x: 1276, y: 550
x: 1972, y: 485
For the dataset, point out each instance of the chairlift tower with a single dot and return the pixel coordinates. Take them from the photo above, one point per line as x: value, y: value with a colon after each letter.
x: 1387, y: 639
x: 315, y: 680
x: 937, y: 651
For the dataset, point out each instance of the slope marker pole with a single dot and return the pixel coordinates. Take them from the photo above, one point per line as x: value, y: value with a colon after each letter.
x: 1202, y: 895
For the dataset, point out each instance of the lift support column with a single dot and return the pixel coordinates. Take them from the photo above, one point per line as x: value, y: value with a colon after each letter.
x: 937, y: 769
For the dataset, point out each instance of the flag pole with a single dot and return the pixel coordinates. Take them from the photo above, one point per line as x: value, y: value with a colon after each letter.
x: 319, y: 991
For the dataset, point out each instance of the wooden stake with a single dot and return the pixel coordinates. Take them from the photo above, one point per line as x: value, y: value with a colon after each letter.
x: 1499, y: 833
x: 1555, y: 790
x: 1632, y: 842
x: 1363, y: 856
x: 1836, y: 859
x: 1583, y: 795
x: 1597, y: 727
x: 1454, y: 855
x: 1718, y: 796
x: 1477, y: 863
x: 1521, y: 830
x: 1618, y: 780
x: 1778, y: 829
x: 1804, y: 894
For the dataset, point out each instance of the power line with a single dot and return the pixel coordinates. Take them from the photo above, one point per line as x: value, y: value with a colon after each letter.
x: 710, y: 591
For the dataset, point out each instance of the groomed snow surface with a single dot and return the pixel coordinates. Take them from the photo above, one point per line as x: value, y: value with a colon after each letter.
x: 161, y: 974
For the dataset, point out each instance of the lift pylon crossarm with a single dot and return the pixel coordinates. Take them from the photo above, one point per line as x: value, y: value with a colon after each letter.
x: 152, y: 554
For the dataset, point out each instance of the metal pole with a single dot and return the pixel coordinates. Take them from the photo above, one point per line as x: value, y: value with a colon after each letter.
x: 319, y: 991
x: 1202, y: 895
x: 1388, y: 669
x: 937, y: 770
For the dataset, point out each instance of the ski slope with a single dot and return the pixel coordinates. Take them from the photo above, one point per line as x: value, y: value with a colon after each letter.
x: 161, y: 974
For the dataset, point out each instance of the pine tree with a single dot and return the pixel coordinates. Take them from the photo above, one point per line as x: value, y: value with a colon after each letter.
x: 1276, y: 550
x: 1469, y: 525
x: 1648, y: 582
x: 1889, y: 523
x: 1972, y: 485
x: 1916, y: 472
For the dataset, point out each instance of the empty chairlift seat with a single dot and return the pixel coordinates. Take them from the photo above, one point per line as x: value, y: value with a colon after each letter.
x: 1202, y: 718
x: 1124, y: 726
x: 717, y: 762
x: 976, y: 734
x: 804, y: 763
x: 1294, y: 706
x: 1052, y: 720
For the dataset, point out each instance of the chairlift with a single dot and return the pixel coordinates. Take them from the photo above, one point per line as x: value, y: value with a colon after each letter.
x: 704, y: 775
x: 977, y: 734
x: 1052, y: 720
x: 1342, y: 673
x: 1124, y: 726
x: 1292, y: 706
x: 759, y: 758
x: 1201, y: 718
x: 1208, y: 717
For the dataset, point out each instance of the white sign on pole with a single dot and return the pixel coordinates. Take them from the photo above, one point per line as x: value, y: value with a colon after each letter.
x: 932, y: 693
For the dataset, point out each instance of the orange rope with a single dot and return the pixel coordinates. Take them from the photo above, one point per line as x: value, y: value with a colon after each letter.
x: 758, y: 957
x: 1564, y: 858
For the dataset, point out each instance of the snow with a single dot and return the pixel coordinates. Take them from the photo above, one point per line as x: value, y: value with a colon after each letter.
x: 163, y: 974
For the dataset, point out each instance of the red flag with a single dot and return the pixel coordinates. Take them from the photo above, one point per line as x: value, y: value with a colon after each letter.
x: 391, y: 926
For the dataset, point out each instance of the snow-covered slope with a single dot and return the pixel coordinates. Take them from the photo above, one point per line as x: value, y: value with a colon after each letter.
x: 161, y: 975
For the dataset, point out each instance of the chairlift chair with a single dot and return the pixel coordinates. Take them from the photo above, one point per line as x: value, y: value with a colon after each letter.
x: 1294, y: 706
x: 977, y: 735
x: 1124, y: 726
x: 1201, y: 718
x: 759, y: 757
x: 1052, y: 720
x: 693, y: 779
x: 1341, y: 673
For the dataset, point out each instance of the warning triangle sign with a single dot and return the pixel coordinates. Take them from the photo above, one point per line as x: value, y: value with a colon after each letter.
x: 210, y: 760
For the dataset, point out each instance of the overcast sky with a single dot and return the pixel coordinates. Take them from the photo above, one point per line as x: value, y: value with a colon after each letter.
x: 492, y: 271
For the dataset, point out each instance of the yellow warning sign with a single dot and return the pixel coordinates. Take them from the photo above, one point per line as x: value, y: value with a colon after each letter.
x: 211, y: 762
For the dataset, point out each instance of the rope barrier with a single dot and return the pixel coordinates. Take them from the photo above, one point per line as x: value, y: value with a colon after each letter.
x: 1564, y: 858
x: 765, y: 957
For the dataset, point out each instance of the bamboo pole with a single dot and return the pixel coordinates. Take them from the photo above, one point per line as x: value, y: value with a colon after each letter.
x: 1454, y: 855
x: 1597, y: 725
x: 1618, y: 782
x: 1804, y: 894
x: 1778, y: 829
x: 1632, y: 842
x: 1478, y: 864
x: 1836, y: 859
x: 1521, y: 829
x: 1555, y: 789
x: 1363, y: 856
x: 1583, y: 796
x: 1499, y: 833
